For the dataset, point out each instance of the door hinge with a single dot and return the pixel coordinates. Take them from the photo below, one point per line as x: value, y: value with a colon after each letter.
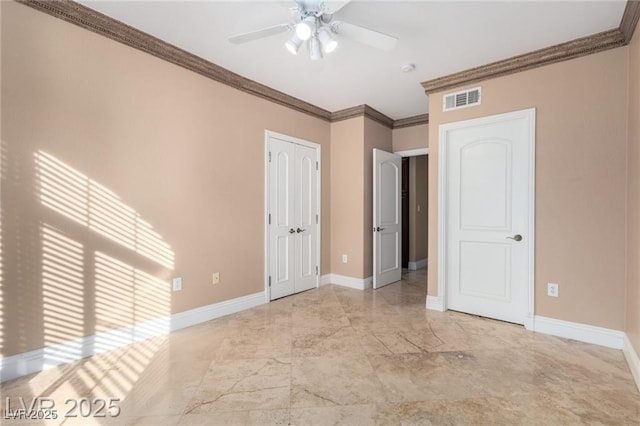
x: 316, y: 270
x: 269, y: 280
x: 269, y: 156
x: 316, y: 219
x: 317, y: 165
x: 269, y: 218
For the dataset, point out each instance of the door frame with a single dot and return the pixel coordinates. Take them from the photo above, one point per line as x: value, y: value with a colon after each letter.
x: 440, y: 302
x: 267, y: 135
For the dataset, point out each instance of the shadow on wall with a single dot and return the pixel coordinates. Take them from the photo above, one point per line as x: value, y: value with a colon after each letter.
x: 77, y: 261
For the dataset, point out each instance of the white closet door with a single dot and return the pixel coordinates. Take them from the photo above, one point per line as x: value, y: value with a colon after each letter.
x: 293, y: 208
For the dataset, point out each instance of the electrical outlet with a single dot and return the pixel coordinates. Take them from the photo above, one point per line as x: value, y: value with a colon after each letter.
x: 177, y: 284
x: 215, y: 279
x: 552, y: 290
x: 345, y: 259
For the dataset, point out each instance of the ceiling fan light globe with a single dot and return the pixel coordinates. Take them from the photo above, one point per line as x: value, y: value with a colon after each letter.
x: 293, y: 44
x: 329, y: 44
x: 304, y: 30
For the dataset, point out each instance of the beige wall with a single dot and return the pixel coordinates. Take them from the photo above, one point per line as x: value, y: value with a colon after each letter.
x: 375, y: 136
x: 633, y: 196
x: 182, y: 152
x: 352, y: 144
x: 413, y: 137
x: 347, y: 138
x: 418, y: 181
x: 580, y: 180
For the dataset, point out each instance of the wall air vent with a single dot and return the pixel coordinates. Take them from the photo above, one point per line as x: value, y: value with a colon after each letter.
x: 464, y: 99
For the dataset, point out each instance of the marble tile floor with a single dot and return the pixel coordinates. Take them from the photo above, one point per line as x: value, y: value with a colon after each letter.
x: 335, y: 355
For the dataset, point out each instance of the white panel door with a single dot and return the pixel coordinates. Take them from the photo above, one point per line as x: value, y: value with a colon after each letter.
x: 488, y: 200
x: 305, y: 212
x: 293, y: 233
x: 387, y: 217
x: 282, y: 228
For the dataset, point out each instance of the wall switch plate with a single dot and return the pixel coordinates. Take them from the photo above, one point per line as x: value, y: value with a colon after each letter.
x: 552, y: 289
x: 345, y: 259
x: 177, y: 284
x: 215, y: 278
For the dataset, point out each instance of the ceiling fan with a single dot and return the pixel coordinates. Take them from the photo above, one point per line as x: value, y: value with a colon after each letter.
x: 314, y: 24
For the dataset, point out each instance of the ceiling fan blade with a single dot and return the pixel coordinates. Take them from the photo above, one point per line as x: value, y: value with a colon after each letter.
x: 332, y: 6
x: 255, y: 35
x: 365, y: 35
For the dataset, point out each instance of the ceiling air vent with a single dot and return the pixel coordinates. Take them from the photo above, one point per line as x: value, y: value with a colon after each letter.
x: 462, y: 99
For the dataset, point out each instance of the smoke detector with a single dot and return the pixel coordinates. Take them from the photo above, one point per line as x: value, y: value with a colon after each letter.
x: 407, y: 67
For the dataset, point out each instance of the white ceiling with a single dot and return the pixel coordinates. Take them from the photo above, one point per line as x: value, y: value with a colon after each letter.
x: 440, y: 37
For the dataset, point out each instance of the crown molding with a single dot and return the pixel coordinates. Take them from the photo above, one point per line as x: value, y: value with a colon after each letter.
x: 347, y: 113
x: 106, y: 26
x: 594, y: 43
x: 416, y: 120
x: 362, y: 110
x: 550, y: 55
x: 630, y: 19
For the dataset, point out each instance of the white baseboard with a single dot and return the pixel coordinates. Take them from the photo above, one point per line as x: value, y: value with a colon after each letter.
x: 577, y: 331
x: 414, y: 266
x: 632, y: 359
x: 435, y: 303
x: 42, y: 359
x: 345, y: 281
x: 324, y: 280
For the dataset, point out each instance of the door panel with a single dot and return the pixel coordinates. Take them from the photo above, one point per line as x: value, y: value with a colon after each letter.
x: 488, y: 203
x: 387, y: 221
x: 485, y: 187
x: 306, y: 201
x: 281, y: 244
x: 484, y: 270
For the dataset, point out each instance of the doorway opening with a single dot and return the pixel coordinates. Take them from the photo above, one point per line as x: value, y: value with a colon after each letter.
x: 415, y: 175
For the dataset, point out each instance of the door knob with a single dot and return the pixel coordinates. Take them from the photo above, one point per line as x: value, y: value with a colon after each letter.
x: 292, y: 231
x: 516, y: 237
x: 379, y: 229
x: 299, y: 230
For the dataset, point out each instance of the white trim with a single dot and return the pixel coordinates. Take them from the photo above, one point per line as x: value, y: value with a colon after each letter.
x: 268, y: 134
x: 419, y: 264
x: 73, y: 350
x: 577, y: 331
x: 435, y: 303
x: 345, y: 281
x: 325, y: 279
x: 530, y: 114
x: 413, y: 152
x: 632, y: 359
x: 267, y: 290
